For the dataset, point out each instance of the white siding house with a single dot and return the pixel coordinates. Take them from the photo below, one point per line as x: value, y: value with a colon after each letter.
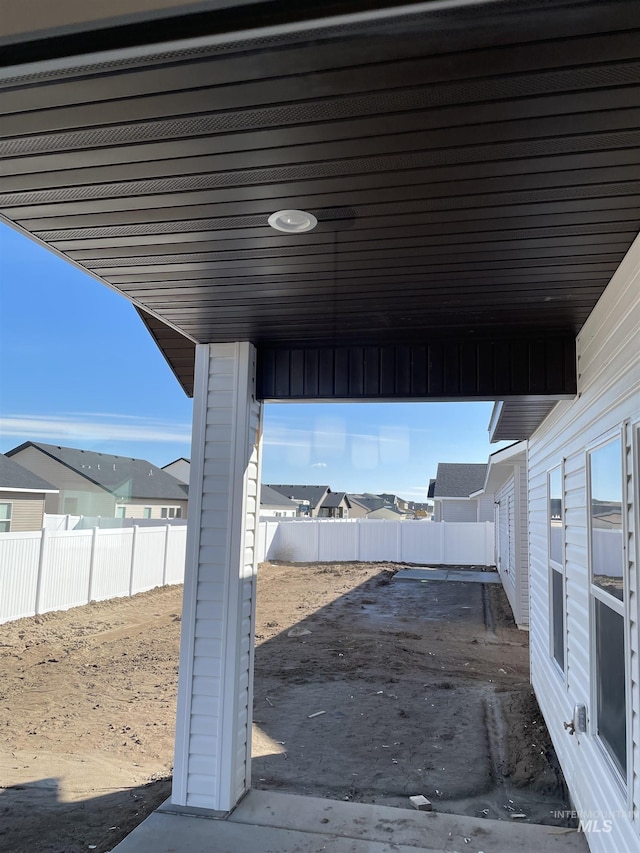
x: 275, y: 505
x: 458, y: 494
x: 583, y: 503
x: 506, y: 489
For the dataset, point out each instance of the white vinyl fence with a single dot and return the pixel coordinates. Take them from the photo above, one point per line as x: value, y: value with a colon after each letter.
x: 48, y: 569
x: 85, y: 522
x: 54, y: 570
x: 423, y: 542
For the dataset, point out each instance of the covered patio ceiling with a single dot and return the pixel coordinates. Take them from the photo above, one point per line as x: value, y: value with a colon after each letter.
x: 474, y: 169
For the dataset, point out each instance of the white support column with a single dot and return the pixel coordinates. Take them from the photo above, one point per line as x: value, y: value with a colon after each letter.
x: 212, y: 766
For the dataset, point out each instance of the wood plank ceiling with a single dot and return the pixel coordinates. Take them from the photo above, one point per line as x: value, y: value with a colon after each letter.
x: 474, y: 172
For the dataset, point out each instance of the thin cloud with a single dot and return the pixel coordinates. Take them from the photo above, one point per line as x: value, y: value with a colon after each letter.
x: 319, y: 465
x: 82, y: 428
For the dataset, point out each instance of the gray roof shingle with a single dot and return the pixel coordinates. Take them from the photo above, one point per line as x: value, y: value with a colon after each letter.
x: 459, y: 479
x: 123, y: 476
x: 269, y: 497
x: 334, y: 499
x: 313, y: 494
x: 15, y: 476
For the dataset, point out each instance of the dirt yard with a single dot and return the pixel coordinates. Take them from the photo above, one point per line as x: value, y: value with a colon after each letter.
x: 423, y: 688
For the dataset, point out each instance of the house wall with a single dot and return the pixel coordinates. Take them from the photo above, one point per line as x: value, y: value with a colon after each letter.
x: 91, y: 499
x: 457, y: 510
x: 485, y: 504
x: 27, y: 510
x: 608, y: 403
x: 277, y: 512
x: 213, y: 727
x: 180, y: 469
x: 521, y: 614
x: 505, y: 534
x: 357, y: 511
x: 135, y: 507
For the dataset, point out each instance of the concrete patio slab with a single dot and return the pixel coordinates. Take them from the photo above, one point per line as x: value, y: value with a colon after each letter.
x: 427, y: 573
x: 268, y: 822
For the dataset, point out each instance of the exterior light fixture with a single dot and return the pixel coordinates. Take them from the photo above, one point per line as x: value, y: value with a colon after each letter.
x: 292, y: 221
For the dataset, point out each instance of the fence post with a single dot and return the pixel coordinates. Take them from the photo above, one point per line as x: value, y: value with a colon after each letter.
x: 166, y: 554
x: 92, y: 560
x: 133, y: 558
x: 41, y: 567
x: 398, y: 542
x: 358, y: 544
x: 317, y: 532
x: 443, y: 543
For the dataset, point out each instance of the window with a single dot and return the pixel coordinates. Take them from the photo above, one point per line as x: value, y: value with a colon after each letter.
x: 556, y: 566
x: 70, y: 506
x: 146, y: 512
x: 121, y: 512
x: 171, y: 512
x: 5, y: 517
x: 608, y: 599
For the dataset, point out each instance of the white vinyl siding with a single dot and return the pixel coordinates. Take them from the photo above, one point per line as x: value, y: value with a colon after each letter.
x: 458, y: 510
x: 152, y: 508
x: 608, y: 350
x: 522, y: 546
x: 484, y: 507
x: 212, y: 766
x: 505, y: 525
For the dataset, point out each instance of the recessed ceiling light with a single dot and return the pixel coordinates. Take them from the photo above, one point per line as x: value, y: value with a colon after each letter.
x: 293, y: 221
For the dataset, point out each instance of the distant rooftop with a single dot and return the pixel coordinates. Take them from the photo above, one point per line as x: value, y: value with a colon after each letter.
x: 15, y: 477
x: 334, y: 499
x: 123, y: 476
x: 313, y: 494
x: 459, y: 479
x: 270, y: 497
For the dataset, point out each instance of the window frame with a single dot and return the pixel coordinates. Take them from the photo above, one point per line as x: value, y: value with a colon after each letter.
x: 622, y: 608
x: 9, y: 518
x: 166, y: 512
x: 559, y: 568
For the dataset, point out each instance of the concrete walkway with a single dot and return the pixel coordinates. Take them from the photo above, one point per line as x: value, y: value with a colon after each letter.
x: 433, y: 573
x: 267, y: 822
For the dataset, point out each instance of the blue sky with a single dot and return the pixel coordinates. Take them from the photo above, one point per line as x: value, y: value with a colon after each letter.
x: 78, y: 368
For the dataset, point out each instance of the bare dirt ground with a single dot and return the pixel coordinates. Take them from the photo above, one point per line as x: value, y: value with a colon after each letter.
x: 424, y: 689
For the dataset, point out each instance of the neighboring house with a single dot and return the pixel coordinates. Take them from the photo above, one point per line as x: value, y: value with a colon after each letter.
x: 387, y: 513
x: 421, y: 510
x: 363, y: 505
x: 358, y: 509
x: 308, y: 498
x: 394, y: 500
x: 179, y: 468
x: 99, y: 484
x: 274, y: 504
x: 454, y: 485
x: 367, y: 501
x: 506, y: 485
x: 335, y: 505
x: 22, y: 497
